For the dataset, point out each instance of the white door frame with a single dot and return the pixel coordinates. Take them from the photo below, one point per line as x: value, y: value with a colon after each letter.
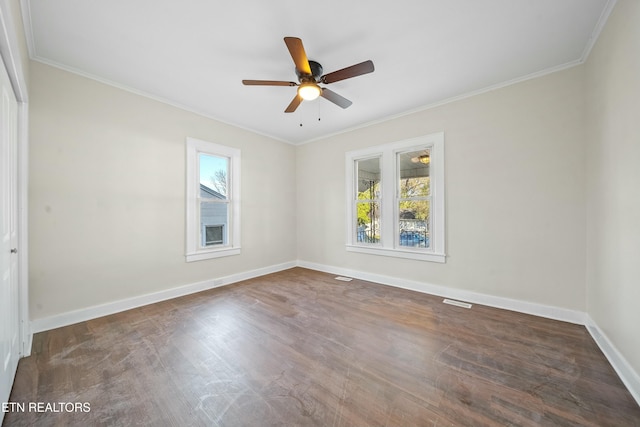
x: 10, y: 51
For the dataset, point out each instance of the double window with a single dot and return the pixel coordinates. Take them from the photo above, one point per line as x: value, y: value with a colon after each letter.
x: 396, y: 199
x: 213, y: 200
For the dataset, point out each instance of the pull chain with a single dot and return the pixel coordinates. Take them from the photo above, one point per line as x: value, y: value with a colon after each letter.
x: 300, y: 114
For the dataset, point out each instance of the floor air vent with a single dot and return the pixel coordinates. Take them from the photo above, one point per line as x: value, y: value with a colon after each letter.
x: 457, y: 303
x: 344, y: 279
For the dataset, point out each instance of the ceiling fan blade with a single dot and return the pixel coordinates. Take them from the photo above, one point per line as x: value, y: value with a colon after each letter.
x: 294, y: 104
x: 346, y: 73
x: 339, y: 100
x: 296, y: 49
x: 267, y: 83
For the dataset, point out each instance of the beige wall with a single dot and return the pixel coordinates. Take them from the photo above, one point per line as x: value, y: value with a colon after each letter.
x: 106, y: 196
x: 515, y: 175
x: 613, y: 185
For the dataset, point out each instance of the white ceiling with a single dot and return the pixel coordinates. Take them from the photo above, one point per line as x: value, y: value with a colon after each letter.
x: 194, y: 53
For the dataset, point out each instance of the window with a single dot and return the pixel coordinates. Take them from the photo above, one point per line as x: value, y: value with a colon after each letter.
x: 213, y: 195
x: 396, y: 199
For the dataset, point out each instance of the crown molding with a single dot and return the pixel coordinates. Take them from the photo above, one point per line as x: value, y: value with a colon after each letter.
x: 595, y: 34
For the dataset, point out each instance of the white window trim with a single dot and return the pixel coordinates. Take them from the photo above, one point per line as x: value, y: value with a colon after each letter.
x: 194, y: 252
x: 388, y: 245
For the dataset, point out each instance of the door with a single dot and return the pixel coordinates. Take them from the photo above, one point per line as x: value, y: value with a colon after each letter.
x: 9, y: 302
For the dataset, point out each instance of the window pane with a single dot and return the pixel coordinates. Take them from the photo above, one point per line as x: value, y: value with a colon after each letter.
x: 214, y: 220
x: 413, y: 223
x: 414, y: 173
x: 367, y: 207
x: 213, y: 176
x: 368, y: 179
x: 368, y: 222
x: 214, y: 234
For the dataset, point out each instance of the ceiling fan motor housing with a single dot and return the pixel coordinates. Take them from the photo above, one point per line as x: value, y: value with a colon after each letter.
x: 316, y: 73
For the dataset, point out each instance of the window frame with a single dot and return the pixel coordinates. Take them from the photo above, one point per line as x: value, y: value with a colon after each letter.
x: 389, y: 244
x: 194, y: 251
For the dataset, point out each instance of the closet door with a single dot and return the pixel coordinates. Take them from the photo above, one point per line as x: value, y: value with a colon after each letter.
x: 9, y: 302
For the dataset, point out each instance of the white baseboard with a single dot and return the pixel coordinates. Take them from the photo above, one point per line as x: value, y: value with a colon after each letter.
x: 627, y: 374
x: 71, y: 317
x: 26, y: 345
x: 550, y: 312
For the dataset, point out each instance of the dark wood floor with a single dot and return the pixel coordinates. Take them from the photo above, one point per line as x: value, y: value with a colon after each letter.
x: 300, y: 348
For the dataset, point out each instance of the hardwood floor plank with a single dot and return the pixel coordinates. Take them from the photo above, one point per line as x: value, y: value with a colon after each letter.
x: 300, y: 348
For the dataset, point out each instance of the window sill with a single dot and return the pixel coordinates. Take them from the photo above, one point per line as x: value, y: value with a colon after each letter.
x: 216, y: 253
x: 399, y: 253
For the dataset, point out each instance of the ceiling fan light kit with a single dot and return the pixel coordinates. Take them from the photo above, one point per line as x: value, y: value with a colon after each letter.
x: 310, y: 75
x: 309, y: 91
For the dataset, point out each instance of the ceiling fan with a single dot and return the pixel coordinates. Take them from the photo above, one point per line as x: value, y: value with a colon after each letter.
x: 310, y: 75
